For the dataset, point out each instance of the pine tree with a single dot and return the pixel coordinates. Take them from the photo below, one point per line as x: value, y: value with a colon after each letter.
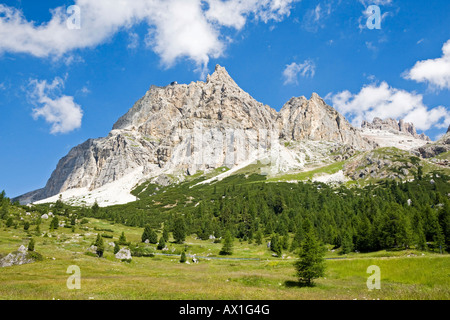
x: 122, y: 239
x: 147, y: 234
x: 116, y: 247
x: 179, y: 230
x: 347, y: 243
x: 5, y: 210
x: 165, y: 234
x: 311, y: 264
x: 54, y: 224
x: 439, y: 240
x: 227, y: 248
x: 259, y: 238
x: 95, y: 209
x: 183, y: 257
x: 31, y: 245
x: 162, y: 243
x: 276, y: 245
x: 26, y: 226
x: 9, y: 222
x: 100, y: 245
x: 285, y: 240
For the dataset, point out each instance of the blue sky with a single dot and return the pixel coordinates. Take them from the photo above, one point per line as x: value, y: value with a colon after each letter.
x: 60, y: 86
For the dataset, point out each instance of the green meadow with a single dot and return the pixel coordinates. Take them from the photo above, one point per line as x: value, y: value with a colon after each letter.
x: 251, y: 273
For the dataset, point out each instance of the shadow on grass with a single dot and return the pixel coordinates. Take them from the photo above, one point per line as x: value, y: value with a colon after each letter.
x: 298, y: 284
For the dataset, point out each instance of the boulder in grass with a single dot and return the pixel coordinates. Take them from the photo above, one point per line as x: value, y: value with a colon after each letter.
x: 123, y: 254
x: 22, y: 249
x: 20, y: 257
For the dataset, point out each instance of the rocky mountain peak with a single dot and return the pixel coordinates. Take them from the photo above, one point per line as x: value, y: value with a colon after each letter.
x: 220, y: 75
x: 158, y: 136
x: 394, y: 126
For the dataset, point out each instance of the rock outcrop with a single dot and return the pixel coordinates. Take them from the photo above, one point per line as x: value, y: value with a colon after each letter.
x: 382, y: 163
x: 190, y: 127
x: 436, y: 148
x: 19, y: 257
x: 313, y: 119
x: 395, y: 127
x: 123, y: 254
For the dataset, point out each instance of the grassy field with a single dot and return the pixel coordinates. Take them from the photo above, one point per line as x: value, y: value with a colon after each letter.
x: 404, y: 274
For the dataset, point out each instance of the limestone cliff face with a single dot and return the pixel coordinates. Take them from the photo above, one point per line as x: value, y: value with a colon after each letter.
x: 313, y: 119
x: 436, y: 148
x: 395, y: 126
x: 158, y: 134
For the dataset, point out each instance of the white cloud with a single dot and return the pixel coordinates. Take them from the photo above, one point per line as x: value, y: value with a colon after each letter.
x: 293, y: 70
x: 234, y: 13
x: 384, y: 102
x: 434, y: 71
x: 177, y: 28
x: 314, y: 19
x: 133, y: 39
x: 375, y: 2
x: 60, y: 111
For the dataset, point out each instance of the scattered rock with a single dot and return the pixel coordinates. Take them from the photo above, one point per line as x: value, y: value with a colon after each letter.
x: 92, y: 249
x: 123, y: 254
x: 19, y: 257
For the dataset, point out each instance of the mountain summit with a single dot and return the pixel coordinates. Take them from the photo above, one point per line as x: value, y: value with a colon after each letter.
x: 181, y: 129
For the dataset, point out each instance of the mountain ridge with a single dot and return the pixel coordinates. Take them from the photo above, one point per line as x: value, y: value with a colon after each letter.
x: 181, y: 129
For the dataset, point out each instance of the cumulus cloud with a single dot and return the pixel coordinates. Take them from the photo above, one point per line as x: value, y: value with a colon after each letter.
x: 294, y: 70
x: 313, y: 20
x: 434, y: 71
x: 59, y: 110
x: 177, y: 28
x: 384, y: 102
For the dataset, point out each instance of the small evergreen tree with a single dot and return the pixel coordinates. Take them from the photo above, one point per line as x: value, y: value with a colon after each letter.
x: 95, y: 209
x: 5, y: 211
x: 439, y: 240
x: 100, y: 245
x: 285, y: 241
x: 9, y: 222
x: 347, y: 243
x: 123, y: 239
x: 54, y: 224
x: 162, y: 243
x: 165, y: 234
x: 276, y: 245
x: 147, y: 234
x: 31, y: 245
x: 38, y: 230
x: 259, y: 238
x: 179, y: 230
x: 26, y: 226
x: 227, y: 248
x: 116, y: 247
x: 311, y: 264
x: 183, y: 257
